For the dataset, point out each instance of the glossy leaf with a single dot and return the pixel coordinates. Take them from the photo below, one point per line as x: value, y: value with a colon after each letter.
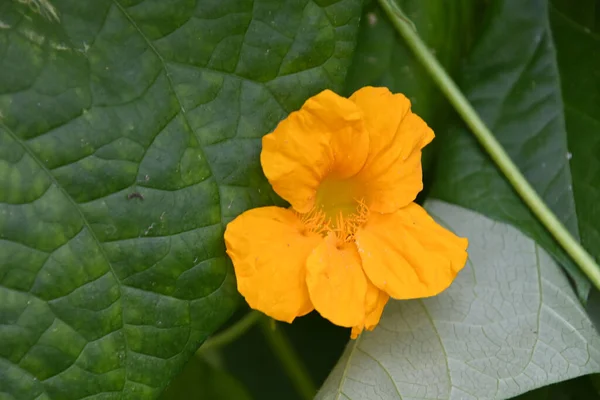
x: 509, y: 323
x: 514, y: 85
x: 129, y: 135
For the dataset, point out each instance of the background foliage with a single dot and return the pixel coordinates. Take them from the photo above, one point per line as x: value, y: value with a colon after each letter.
x: 130, y: 133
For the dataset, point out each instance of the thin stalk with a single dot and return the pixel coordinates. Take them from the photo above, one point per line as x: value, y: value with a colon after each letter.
x: 490, y: 144
x: 232, y: 333
x: 289, y: 359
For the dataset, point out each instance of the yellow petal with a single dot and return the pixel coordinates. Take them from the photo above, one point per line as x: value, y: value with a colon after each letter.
x: 375, y: 301
x: 408, y: 255
x: 336, y: 282
x: 269, y: 248
x: 326, y: 137
x: 392, y: 173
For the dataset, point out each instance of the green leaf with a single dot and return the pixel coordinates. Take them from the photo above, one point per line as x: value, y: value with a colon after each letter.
x: 201, y: 381
x: 129, y: 135
x: 578, y: 55
x: 514, y: 85
x: 509, y: 323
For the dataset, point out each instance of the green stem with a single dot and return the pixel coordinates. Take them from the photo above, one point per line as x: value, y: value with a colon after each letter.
x: 232, y: 333
x: 490, y: 144
x: 288, y: 358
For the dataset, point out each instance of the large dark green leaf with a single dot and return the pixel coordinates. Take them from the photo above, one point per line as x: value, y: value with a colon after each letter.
x: 130, y: 134
x: 578, y: 51
x: 512, y: 80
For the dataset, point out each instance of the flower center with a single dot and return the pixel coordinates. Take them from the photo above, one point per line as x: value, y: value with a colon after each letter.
x: 337, y: 196
x: 340, y: 205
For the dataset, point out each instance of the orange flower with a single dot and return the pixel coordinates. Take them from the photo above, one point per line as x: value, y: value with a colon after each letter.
x: 351, y: 169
